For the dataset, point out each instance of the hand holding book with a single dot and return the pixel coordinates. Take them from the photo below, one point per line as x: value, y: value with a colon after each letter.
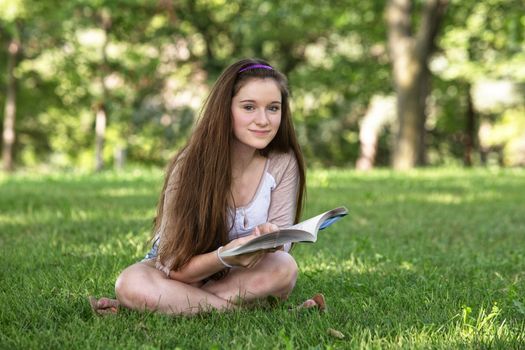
x: 305, y: 231
x: 250, y: 259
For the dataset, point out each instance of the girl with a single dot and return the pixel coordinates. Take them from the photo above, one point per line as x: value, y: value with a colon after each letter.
x: 240, y: 175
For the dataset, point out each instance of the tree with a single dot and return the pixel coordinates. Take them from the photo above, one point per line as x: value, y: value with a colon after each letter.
x: 8, y: 134
x: 102, y: 106
x: 104, y: 58
x: 145, y: 67
x: 410, y: 54
x: 481, y: 55
x: 11, y: 16
x: 27, y: 27
x: 379, y: 115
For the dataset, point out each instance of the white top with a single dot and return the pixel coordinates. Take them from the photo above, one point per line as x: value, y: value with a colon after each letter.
x: 256, y: 211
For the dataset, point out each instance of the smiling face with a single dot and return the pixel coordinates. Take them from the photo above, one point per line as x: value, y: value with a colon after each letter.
x: 256, y: 111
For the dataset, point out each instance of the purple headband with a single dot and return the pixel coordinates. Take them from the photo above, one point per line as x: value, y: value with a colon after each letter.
x: 253, y: 66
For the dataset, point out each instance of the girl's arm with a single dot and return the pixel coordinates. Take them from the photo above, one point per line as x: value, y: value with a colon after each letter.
x: 283, y: 201
x: 205, y: 265
x: 198, y: 268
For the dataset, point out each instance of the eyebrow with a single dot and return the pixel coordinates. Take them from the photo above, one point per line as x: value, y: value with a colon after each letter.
x: 279, y: 102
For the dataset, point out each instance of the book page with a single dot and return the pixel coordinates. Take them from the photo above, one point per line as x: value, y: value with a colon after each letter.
x: 309, y: 225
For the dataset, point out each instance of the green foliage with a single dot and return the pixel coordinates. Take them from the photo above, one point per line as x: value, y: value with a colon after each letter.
x: 161, y: 57
x: 426, y: 259
x: 485, y: 38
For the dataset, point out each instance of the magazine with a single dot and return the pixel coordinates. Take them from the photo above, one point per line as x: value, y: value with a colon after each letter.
x: 305, y: 231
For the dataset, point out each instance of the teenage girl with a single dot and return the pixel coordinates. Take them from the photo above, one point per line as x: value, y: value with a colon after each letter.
x: 240, y: 175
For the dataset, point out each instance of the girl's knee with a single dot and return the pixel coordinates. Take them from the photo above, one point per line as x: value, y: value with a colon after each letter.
x: 283, y: 274
x: 125, y: 287
x: 133, y: 288
x: 292, y: 272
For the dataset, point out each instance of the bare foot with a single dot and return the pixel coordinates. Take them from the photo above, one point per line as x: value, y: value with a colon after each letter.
x: 317, y: 301
x: 104, y: 306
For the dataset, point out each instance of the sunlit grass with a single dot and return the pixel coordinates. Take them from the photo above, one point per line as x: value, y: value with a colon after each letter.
x: 430, y: 258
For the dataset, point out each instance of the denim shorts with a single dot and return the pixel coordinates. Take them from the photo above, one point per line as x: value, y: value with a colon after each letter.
x: 154, y: 251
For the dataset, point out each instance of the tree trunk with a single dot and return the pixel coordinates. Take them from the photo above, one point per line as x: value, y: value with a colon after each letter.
x: 101, y: 119
x: 8, y: 135
x: 470, y: 129
x: 409, y: 146
x: 100, y: 132
x: 379, y: 114
x: 120, y: 157
x: 409, y: 54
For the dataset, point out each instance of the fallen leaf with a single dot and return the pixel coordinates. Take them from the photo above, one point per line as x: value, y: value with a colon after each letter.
x: 335, y: 333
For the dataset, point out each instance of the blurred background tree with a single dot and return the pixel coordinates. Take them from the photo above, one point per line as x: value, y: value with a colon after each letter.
x: 89, y: 83
x: 480, y: 75
x: 410, y: 50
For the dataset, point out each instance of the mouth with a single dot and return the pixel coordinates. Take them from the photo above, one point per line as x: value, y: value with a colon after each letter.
x: 260, y: 132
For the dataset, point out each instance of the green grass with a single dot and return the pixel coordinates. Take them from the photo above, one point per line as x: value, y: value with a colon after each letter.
x: 426, y: 259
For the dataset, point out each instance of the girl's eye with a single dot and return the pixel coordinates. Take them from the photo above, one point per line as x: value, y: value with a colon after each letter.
x: 249, y: 107
x: 274, y: 108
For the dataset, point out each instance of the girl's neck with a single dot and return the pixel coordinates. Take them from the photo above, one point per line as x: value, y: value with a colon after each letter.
x: 243, y: 157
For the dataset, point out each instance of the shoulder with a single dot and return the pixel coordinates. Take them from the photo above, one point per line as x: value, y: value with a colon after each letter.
x: 281, y: 158
x: 282, y: 164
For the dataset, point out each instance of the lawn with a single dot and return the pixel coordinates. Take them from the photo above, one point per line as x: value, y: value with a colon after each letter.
x: 432, y: 258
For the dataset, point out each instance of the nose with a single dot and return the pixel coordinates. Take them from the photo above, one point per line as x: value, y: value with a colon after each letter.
x: 262, y: 117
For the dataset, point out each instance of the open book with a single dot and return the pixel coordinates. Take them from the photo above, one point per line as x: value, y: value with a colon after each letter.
x: 305, y: 231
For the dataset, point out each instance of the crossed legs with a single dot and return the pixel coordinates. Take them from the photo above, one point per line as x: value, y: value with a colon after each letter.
x: 142, y: 287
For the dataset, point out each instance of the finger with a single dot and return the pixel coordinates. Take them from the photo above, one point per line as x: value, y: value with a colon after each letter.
x: 256, y: 231
x: 254, y: 260
x: 264, y: 227
x: 270, y: 227
x: 253, y: 263
x: 259, y: 257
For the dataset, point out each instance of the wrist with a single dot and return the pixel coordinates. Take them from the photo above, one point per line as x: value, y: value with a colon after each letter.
x: 221, y: 259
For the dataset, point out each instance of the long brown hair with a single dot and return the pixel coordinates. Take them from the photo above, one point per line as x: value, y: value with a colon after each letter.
x: 196, y: 221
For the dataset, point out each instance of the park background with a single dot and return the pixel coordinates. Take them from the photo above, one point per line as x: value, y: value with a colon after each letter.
x: 97, y: 84
x: 411, y: 113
